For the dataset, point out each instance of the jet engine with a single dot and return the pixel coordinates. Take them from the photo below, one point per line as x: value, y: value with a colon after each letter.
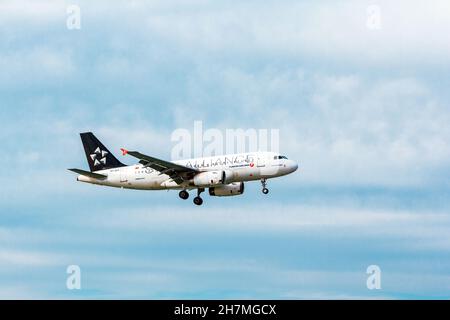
x: 232, y: 189
x: 209, y: 178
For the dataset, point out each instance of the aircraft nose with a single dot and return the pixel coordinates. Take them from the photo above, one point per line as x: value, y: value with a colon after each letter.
x: 294, y: 166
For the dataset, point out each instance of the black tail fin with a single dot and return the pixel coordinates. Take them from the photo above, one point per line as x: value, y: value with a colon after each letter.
x: 98, y: 156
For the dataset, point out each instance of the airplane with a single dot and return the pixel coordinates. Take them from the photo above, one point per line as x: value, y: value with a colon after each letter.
x: 222, y: 175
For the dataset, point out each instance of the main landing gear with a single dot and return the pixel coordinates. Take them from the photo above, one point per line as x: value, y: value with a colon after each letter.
x: 184, y: 194
x: 197, y: 200
x: 264, y: 183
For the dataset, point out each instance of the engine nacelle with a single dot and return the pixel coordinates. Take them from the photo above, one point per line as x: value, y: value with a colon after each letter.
x: 228, y: 177
x: 209, y: 178
x: 232, y: 189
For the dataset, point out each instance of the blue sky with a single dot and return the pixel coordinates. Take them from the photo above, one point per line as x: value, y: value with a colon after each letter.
x: 365, y: 112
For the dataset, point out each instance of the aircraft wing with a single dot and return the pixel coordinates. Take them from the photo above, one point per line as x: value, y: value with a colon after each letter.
x: 89, y: 174
x: 175, y: 171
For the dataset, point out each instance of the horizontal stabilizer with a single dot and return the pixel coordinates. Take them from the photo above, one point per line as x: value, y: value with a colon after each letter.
x: 89, y: 174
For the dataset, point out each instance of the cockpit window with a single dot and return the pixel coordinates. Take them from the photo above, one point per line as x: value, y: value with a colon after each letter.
x: 280, y: 157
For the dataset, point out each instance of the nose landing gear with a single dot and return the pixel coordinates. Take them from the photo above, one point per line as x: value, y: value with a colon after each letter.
x: 197, y: 200
x: 264, y: 183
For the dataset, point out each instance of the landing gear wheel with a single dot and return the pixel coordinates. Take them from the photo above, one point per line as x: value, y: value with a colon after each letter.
x: 184, y: 194
x: 198, y: 201
x: 264, y: 183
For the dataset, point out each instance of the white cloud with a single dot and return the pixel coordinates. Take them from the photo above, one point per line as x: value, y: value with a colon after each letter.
x: 29, y: 11
x: 353, y: 222
x: 108, y: 245
x: 333, y: 31
x: 35, y: 66
x: 411, y: 32
x: 234, y: 65
x: 20, y: 258
x: 346, y: 128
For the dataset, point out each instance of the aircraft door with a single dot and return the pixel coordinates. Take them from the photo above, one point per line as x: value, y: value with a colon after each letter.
x: 265, y: 166
x: 261, y: 162
x: 123, y: 175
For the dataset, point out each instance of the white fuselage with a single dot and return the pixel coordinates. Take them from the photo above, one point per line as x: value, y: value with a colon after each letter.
x: 239, y: 167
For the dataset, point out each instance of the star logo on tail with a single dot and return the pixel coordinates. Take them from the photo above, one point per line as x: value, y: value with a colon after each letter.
x: 99, y: 156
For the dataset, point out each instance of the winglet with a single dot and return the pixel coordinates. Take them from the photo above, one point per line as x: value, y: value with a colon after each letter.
x: 124, y: 151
